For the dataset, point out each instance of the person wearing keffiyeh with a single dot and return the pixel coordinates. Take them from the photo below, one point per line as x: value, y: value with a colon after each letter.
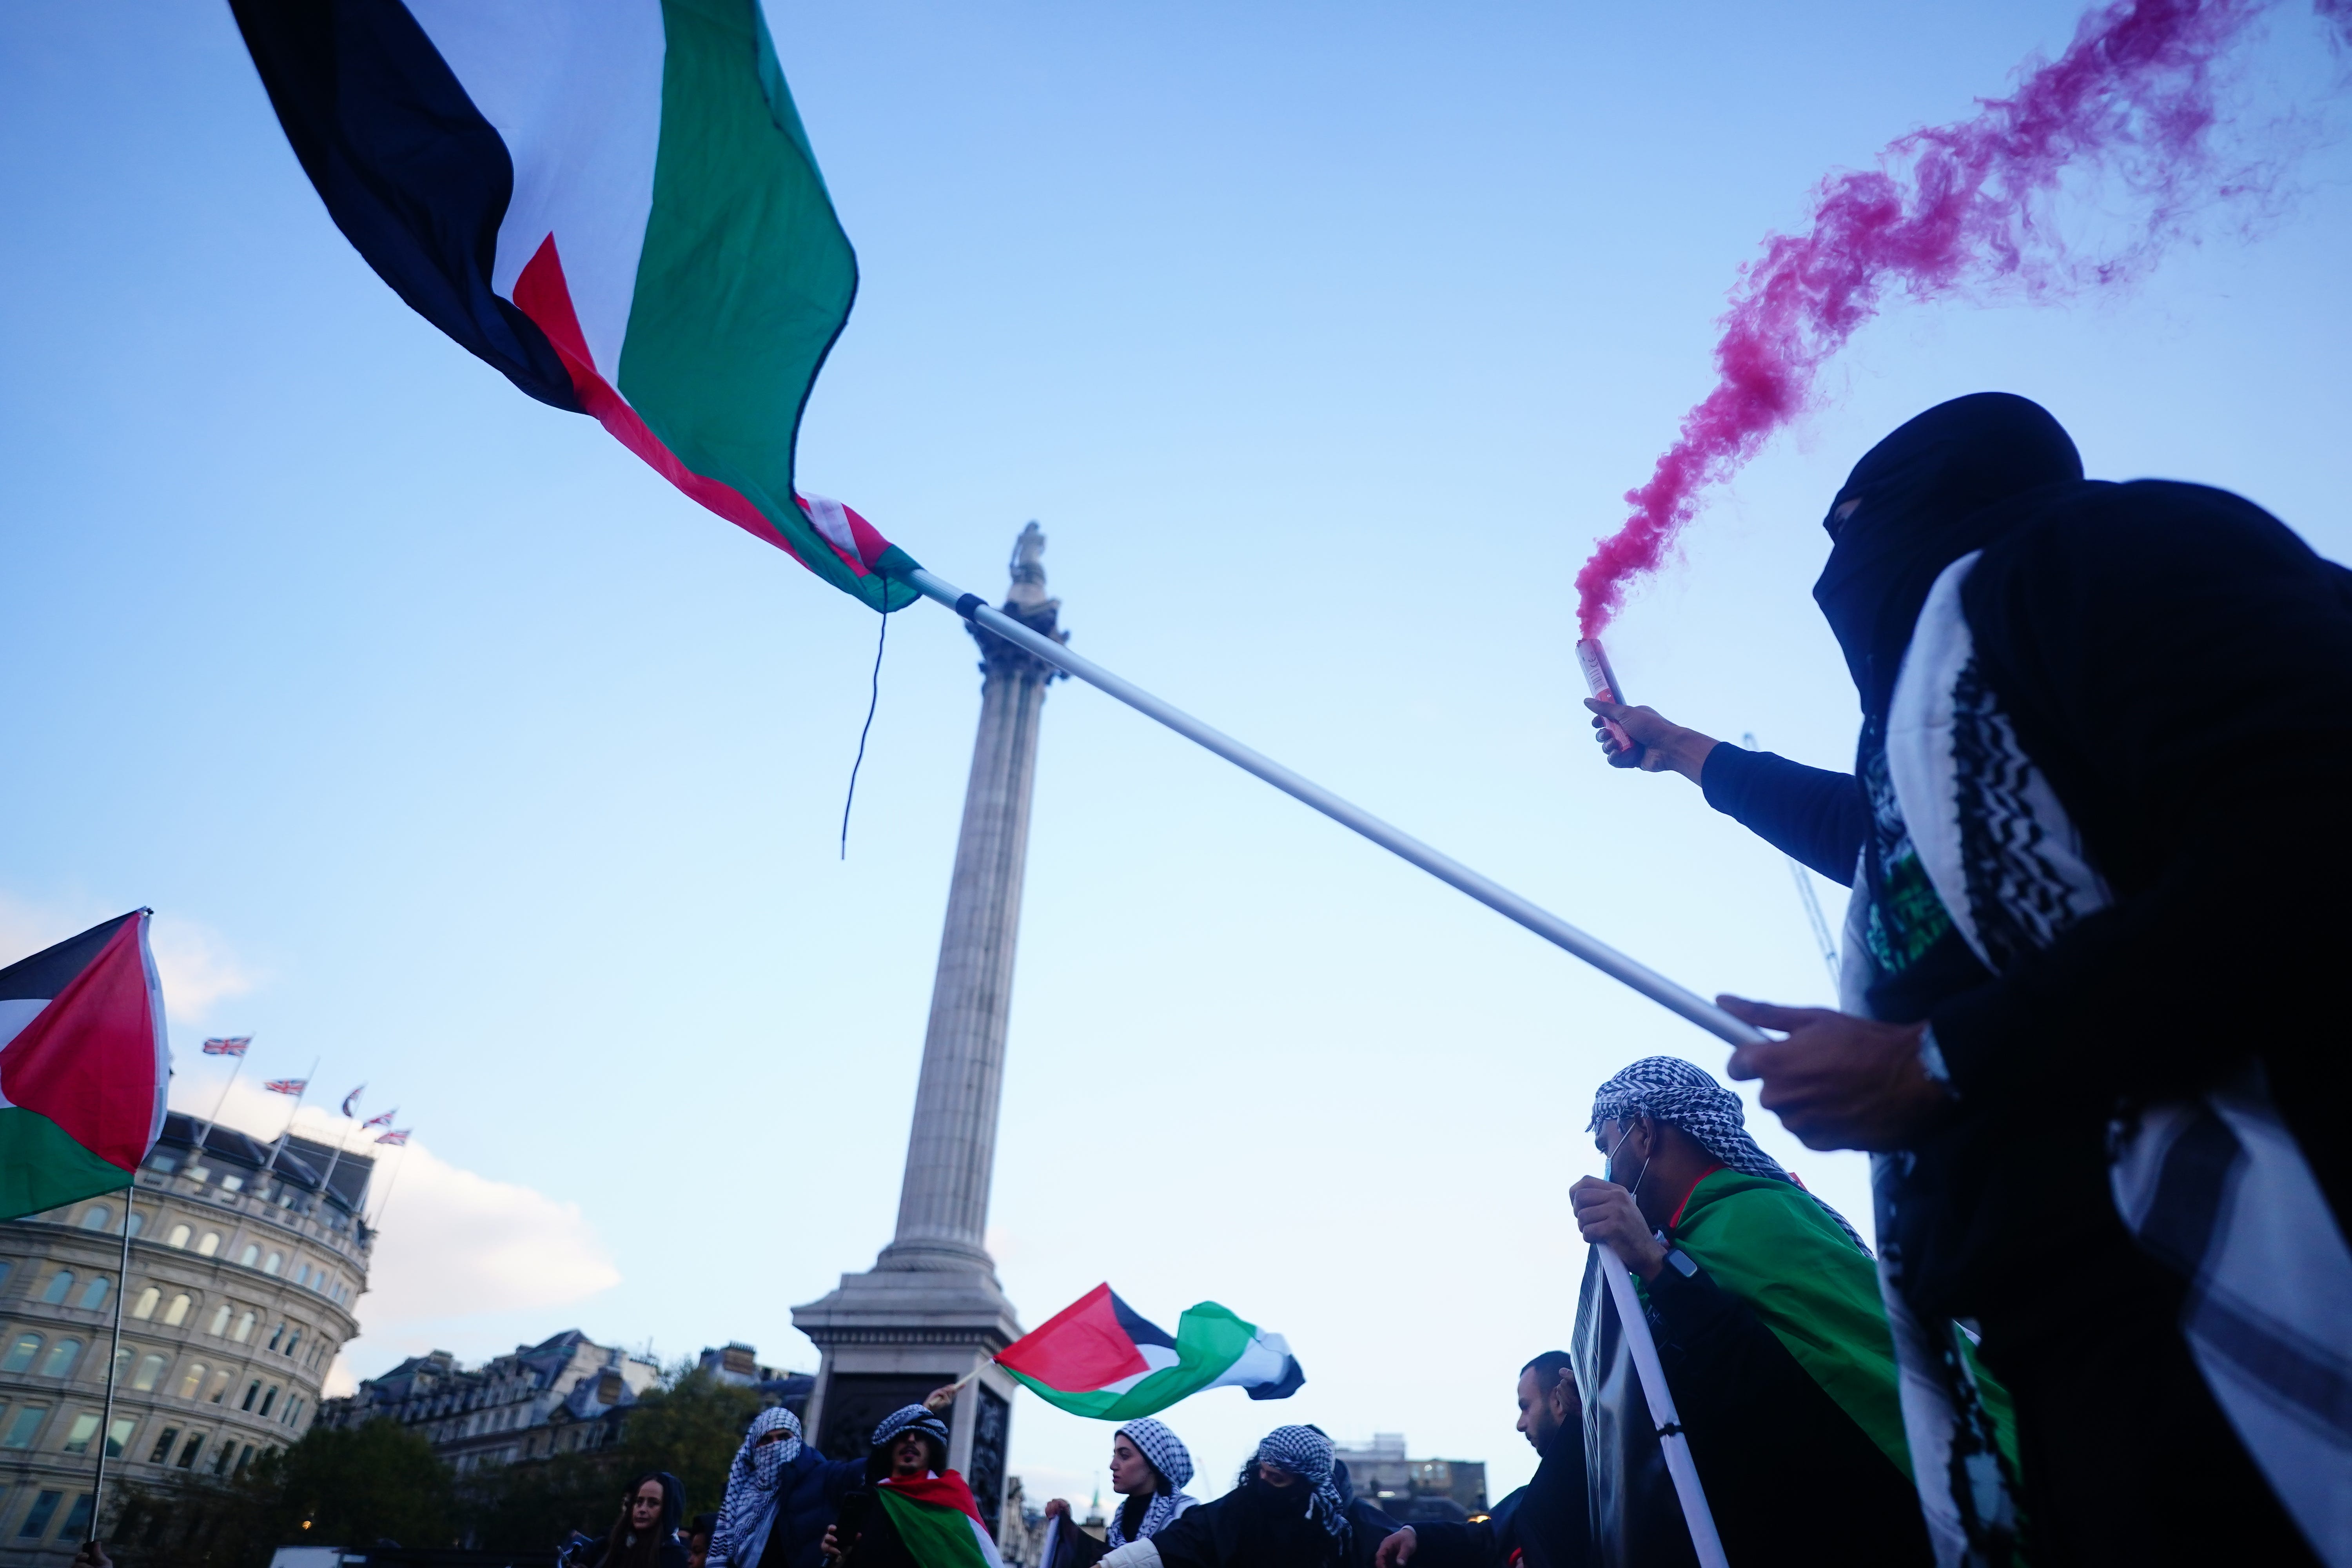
x: 1770, y: 1328
x: 773, y: 1469
x: 1290, y: 1507
x: 1150, y: 1466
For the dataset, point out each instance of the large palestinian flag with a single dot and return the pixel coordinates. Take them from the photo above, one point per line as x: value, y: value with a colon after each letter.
x: 1100, y: 1357
x: 939, y: 1521
x: 84, y: 1066
x: 611, y: 200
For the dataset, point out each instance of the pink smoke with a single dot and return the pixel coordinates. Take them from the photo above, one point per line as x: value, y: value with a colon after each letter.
x: 1949, y: 208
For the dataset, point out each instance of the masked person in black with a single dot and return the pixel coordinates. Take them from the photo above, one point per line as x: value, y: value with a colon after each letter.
x: 1291, y: 1508
x: 1546, y: 1523
x: 2098, y: 837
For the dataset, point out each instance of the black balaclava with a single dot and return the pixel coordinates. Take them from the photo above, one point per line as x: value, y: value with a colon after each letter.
x: 1928, y: 494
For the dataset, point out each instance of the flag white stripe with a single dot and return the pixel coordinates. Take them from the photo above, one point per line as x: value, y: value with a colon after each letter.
x: 574, y: 89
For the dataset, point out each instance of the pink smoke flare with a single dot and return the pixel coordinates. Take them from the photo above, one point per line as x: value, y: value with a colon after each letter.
x: 1950, y: 207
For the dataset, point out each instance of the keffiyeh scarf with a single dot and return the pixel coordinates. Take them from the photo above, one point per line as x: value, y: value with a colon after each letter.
x: 748, y: 1512
x: 916, y: 1416
x: 1307, y: 1453
x: 1173, y: 1463
x: 1672, y: 1090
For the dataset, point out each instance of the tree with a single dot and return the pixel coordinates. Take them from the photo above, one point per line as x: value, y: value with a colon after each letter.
x: 336, y: 1488
x: 690, y: 1425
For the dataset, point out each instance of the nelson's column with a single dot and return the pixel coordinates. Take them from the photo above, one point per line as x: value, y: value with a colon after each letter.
x: 929, y: 1312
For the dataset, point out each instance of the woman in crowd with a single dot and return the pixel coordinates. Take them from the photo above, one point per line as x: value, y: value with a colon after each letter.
x: 646, y: 1534
x: 1148, y: 1467
x: 1291, y: 1508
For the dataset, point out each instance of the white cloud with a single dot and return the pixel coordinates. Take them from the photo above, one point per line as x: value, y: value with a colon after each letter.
x: 193, y: 961
x: 455, y: 1248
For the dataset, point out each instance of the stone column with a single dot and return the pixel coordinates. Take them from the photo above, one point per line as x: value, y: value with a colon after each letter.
x: 930, y: 1310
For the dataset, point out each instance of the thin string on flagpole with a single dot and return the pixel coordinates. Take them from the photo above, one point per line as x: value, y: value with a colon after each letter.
x: 397, y: 1166
x: 873, y: 703
x: 1618, y: 966
x: 113, y: 1362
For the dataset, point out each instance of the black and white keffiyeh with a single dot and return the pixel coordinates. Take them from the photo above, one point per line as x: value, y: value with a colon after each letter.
x: 749, y: 1511
x: 1307, y: 1453
x: 917, y: 1417
x: 1670, y: 1089
x: 1173, y: 1464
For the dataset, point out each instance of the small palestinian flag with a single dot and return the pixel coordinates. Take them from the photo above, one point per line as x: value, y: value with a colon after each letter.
x: 1100, y: 1357
x: 939, y: 1522
x: 84, y: 1066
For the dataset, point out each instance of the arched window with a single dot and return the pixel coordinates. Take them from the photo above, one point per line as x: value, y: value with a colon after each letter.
x: 60, y: 1283
x: 177, y: 1236
x: 151, y: 1371
x: 219, y: 1324
x: 209, y: 1245
x: 192, y: 1381
x: 269, y: 1399
x: 21, y: 1353
x: 138, y: 1221
x: 61, y: 1358
x: 276, y: 1335
x: 252, y: 1251
x: 98, y: 1216
x: 147, y: 1300
x: 94, y: 1294
x: 220, y: 1386
x: 276, y: 1260
x: 178, y: 1313
x: 244, y: 1328
x: 295, y: 1341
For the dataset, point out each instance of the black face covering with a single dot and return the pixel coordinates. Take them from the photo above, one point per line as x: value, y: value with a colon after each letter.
x: 1926, y: 496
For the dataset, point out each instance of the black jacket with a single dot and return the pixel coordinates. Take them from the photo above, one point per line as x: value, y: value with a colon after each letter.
x: 1227, y: 1533
x: 1547, y: 1521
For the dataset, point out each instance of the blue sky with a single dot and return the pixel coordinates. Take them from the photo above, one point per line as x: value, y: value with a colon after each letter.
x: 455, y: 748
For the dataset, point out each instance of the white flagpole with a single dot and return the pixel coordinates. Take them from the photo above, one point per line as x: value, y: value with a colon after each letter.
x: 223, y: 1100
x: 1806, y: 896
x: 113, y: 1365
x: 1671, y: 1440
x: 1446, y: 869
x: 289, y: 1118
x: 377, y: 1223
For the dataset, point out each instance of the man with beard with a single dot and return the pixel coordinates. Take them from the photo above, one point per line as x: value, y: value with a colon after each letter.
x: 2096, y: 834
x: 1290, y: 1507
x: 1543, y: 1524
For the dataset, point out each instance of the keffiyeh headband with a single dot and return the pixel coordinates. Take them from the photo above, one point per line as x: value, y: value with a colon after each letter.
x: 1173, y: 1462
x: 916, y: 1416
x: 1673, y: 1090
x: 1307, y: 1453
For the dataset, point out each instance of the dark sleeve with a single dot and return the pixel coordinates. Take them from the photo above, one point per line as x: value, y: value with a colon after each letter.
x: 1441, y: 1544
x: 840, y: 1477
x: 2180, y: 665
x: 1718, y: 1348
x: 1188, y: 1540
x: 1814, y: 816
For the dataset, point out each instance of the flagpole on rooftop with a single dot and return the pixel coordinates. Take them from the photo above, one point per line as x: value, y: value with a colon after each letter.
x: 1446, y: 869
x: 289, y: 1118
x: 215, y: 1119
x: 397, y: 1165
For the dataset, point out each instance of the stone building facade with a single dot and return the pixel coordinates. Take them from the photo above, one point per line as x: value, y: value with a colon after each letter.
x: 560, y: 1396
x: 1414, y: 1491
x: 240, y: 1289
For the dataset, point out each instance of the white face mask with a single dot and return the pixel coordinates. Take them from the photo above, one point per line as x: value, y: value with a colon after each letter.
x: 1609, y: 1167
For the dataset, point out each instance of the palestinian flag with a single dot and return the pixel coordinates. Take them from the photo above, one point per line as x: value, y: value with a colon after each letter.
x: 613, y: 203
x: 939, y: 1521
x: 84, y: 1066
x: 1100, y: 1357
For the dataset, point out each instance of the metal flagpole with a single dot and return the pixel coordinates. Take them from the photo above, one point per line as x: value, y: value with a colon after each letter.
x: 1805, y: 895
x: 280, y: 1147
x: 1501, y: 900
x: 1671, y: 1439
x: 398, y: 1165
x: 113, y: 1365
x: 215, y: 1119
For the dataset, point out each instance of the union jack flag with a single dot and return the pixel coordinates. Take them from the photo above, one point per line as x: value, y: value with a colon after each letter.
x: 287, y: 1085
x: 383, y: 1121
x: 228, y: 1046
x: 351, y: 1100
x: 399, y: 1135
